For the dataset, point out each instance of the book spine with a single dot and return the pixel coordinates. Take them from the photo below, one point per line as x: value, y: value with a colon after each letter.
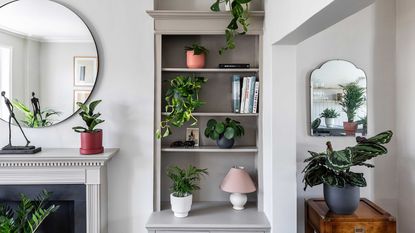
x: 256, y: 96
x: 247, y: 94
x: 234, y: 66
x: 251, y: 94
x: 243, y: 96
x: 236, y: 93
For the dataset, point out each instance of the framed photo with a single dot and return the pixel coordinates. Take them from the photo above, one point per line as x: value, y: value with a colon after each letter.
x: 85, y: 71
x: 80, y: 96
x: 192, y: 134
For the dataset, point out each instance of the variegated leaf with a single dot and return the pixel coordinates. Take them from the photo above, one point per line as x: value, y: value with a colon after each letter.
x: 382, y: 138
x: 340, y: 160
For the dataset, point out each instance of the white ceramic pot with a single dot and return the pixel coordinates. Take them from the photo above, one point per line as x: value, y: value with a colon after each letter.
x: 181, y: 205
x: 329, y: 122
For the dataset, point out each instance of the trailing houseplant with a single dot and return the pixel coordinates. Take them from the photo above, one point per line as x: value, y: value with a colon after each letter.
x: 91, y: 138
x: 196, y: 56
x: 182, y: 99
x: 353, y: 99
x: 33, y: 121
x: 224, y: 132
x: 28, y: 216
x: 240, y: 17
x: 334, y: 170
x: 184, y: 183
x: 329, y: 116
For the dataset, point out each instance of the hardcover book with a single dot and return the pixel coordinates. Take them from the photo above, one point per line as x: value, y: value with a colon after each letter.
x: 236, y: 93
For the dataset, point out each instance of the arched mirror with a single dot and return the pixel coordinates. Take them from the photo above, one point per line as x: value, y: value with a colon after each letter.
x: 48, y: 61
x: 338, y: 94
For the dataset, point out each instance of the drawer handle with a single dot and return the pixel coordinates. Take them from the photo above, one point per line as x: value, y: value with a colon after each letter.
x: 359, y: 230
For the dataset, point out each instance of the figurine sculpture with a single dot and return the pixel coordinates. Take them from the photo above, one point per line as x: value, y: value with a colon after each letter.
x: 10, y: 149
x: 36, y: 107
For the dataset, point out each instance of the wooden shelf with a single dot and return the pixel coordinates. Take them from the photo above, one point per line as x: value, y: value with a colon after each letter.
x: 211, y: 70
x: 219, y: 114
x: 212, y: 149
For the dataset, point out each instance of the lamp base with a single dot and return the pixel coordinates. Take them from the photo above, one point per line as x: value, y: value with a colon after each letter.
x: 238, y: 200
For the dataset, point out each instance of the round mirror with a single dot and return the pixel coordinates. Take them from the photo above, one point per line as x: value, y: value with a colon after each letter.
x: 48, y: 62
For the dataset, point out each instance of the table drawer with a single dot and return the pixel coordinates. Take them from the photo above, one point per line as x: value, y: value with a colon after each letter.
x: 356, y: 227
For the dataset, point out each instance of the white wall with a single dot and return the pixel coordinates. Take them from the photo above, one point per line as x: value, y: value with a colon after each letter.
x: 367, y: 40
x: 125, y: 37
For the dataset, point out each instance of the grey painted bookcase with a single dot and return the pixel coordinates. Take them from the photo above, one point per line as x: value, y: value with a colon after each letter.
x: 211, y: 211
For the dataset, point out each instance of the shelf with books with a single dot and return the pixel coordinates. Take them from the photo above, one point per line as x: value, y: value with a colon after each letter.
x: 219, y: 114
x: 212, y: 149
x: 211, y: 70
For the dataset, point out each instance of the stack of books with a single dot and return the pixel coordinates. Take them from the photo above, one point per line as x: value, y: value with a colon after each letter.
x: 245, y: 94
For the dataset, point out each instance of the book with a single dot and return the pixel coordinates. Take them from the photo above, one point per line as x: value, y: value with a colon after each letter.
x: 234, y: 66
x: 256, y: 96
x: 243, y: 96
x: 249, y: 85
x: 251, y: 93
x: 236, y: 93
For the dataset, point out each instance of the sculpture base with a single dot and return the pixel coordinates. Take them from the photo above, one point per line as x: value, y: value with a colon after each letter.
x: 20, y: 150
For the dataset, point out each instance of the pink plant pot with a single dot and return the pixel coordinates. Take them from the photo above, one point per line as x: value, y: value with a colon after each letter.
x: 91, y: 143
x: 195, y: 61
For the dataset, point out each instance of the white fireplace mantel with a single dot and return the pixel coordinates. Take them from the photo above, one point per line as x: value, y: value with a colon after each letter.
x: 64, y: 166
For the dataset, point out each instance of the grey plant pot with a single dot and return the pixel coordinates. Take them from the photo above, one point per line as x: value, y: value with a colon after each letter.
x: 344, y: 201
x: 225, y: 143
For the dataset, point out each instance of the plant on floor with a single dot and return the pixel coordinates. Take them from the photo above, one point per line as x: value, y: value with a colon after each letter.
x: 33, y: 121
x: 28, y: 216
x: 182, y: 99
x: 197, y: 49
x: 334, y: 167
x: 329, y: 113
x: 240, y: 17
x: 353, y: 99
x: 229, y: 129
x: 185, y: 181
x: 90, y: 118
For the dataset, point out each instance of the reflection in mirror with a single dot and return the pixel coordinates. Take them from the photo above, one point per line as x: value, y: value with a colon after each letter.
x: 48, y: 61
x: 338, y: 97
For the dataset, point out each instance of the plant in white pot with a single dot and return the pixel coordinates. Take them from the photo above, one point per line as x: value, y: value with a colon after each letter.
x: 333, y: 169
x: 329, y: 116
x: 184, y: 183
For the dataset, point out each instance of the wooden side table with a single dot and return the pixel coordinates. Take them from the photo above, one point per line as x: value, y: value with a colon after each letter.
x: 368, y: 218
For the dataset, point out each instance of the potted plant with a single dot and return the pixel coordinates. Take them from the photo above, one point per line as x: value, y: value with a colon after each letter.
x: 224, y: 132
x: 240, y: 17
x: 329, y: 116
x: 196, y: 56
x: 353, y: 99
x: 33, y: 121
x: 333, y: 169
x: 91, y: 138
x: 184, y: 183
x: 182, y: 99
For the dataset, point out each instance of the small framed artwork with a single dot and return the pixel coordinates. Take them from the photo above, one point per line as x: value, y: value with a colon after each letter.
x: 85, y: 71
x: 192, y: 134
x: 80, y: 96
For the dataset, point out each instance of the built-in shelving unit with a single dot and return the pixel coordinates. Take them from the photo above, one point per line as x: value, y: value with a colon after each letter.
x: 212, y: 149
x: 210, y: 70
x: 219, y: 114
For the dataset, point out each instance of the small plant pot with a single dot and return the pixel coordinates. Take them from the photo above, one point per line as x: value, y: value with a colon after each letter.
x: 344, y: 201
x: 91, y: 143
x: 350, y: 128
x: 225, y: 143
x: 181, y: 205
x: 329, y: 122
x: 195, y: 61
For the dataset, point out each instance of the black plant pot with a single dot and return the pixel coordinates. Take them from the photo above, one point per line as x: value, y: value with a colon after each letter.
x: 225, y: 143
x: 344, y: 201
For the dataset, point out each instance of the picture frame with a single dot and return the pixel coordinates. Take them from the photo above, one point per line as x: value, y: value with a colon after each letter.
x: 193, y: 134
x: 85, y: 71
x: 80, y: 95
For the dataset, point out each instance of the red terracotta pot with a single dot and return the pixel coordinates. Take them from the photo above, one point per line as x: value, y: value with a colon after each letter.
x: 91, y: 143
x: 350, y: 128
x: 195, y: 61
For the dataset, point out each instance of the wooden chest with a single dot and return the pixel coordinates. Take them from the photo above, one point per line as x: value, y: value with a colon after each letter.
x: 369, y: 218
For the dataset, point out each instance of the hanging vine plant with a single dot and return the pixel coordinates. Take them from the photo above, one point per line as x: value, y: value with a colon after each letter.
x: 182, y: 99
x: 240, y: 17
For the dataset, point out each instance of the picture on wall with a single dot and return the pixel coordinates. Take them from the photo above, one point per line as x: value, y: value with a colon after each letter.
x: 192, y: 134
x: 80, y: 96
x: 85, y: 71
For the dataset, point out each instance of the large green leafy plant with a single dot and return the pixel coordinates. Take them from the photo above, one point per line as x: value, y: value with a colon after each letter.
x: 334, y: 167
x: 353, y: 99
x: 240, y: 17
x: 230, y: 129
x: 33, y: 121
x: 182, y: 99
x: 28, y: 216
x: 185, y: 181
x: 89, y: 116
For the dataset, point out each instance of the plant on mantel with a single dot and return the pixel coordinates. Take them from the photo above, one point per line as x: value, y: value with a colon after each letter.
x: 240, y: 17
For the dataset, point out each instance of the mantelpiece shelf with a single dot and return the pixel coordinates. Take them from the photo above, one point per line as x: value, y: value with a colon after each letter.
x: 219, y: 114
x: 213, y: 149
x: 211, y: 70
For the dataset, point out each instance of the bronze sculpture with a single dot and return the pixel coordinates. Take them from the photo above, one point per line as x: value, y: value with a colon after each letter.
x: 36, y: 107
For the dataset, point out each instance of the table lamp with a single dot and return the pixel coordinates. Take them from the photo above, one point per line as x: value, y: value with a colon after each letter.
x: 238, y: 183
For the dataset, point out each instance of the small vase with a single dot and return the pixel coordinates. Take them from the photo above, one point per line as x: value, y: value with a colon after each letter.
x: 225, y: 143
x: 91, y: 143
x: 329, y: 122
x: 181, y: 205
x: 350, y: 128
x: 195, y: 61
x: 344, y: 201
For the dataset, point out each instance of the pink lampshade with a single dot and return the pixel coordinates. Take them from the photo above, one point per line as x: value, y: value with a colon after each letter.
x: 238, y: 181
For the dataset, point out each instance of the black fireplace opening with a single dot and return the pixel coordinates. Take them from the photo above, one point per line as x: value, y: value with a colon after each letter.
x: 71, y: 215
